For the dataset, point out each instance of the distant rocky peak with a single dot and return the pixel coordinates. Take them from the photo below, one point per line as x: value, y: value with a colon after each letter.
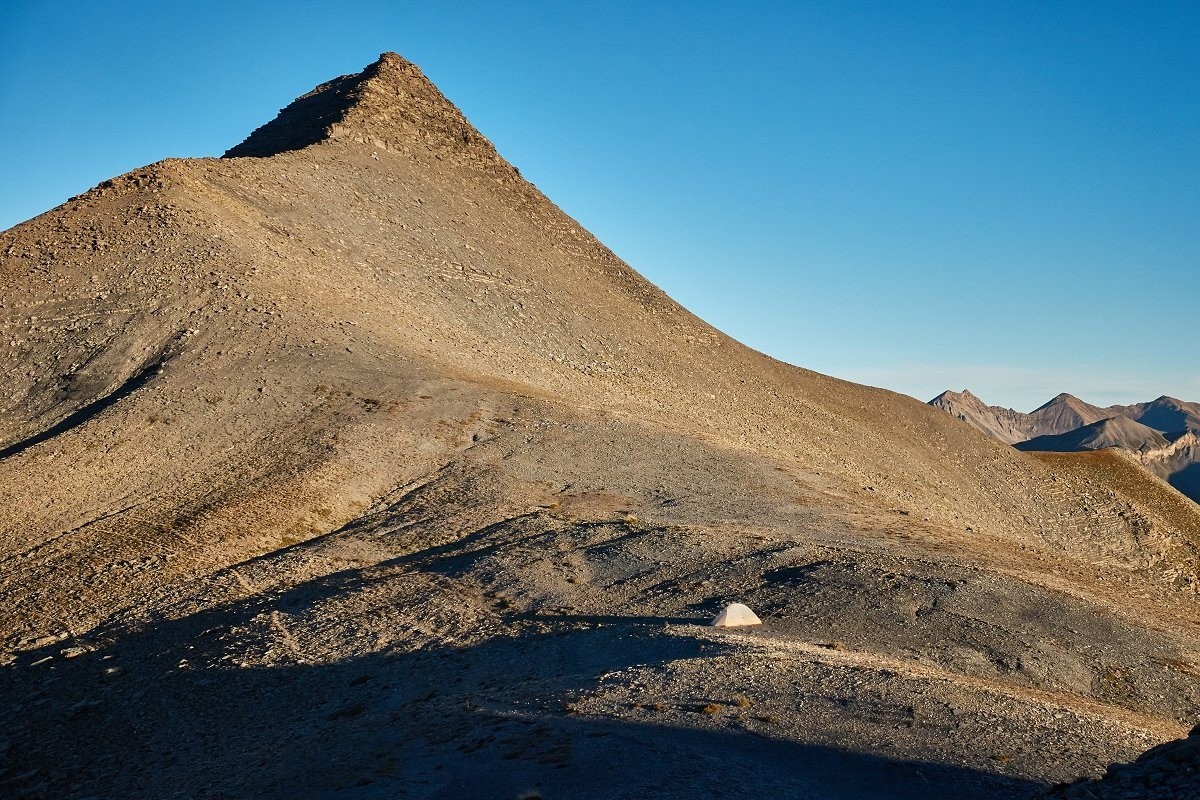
x: 1063, y: 413
x: 1001, y: 423
x: 949, y: 396
x: 1061, y: 399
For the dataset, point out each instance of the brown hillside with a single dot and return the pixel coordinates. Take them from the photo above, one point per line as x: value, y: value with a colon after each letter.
x: 350, y: 462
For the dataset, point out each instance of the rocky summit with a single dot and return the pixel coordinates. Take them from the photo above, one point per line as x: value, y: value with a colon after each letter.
x: 347, y: 465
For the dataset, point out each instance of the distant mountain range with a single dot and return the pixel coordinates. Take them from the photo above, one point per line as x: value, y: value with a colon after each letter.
x: 1162, y: 434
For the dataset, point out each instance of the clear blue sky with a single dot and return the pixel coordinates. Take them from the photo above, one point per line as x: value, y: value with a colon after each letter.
x: 1000, y: 196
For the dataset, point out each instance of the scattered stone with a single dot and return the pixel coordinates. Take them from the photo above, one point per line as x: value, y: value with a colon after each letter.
x: 83, y: 706
x: 1170, y: 771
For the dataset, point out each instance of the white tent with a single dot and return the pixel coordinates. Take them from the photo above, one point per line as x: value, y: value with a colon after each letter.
x: 736, y: 614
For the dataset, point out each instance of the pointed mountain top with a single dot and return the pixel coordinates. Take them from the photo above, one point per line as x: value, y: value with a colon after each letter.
x: 1067, y: 400
x: 1167, y: 400
x: 390, y: 104
x: 1166, y: 414
x: 950, y: 396
x: 1061, y: 397
x: 1063, y: 413
x: 999, y: 423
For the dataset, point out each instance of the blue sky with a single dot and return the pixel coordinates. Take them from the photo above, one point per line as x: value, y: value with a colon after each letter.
x: 998, y: 196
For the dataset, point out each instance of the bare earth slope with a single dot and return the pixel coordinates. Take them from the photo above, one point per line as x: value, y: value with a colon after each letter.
x: 351, y: 463
x: 1175, y: 460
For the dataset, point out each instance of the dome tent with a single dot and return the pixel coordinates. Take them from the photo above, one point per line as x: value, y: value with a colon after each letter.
x: 735, y: 615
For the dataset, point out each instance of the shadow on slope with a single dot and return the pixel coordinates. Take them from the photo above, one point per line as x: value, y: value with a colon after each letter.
x: 305, y: 121
x: 198, y: 707
x: 1187, y: 481
x: 137, y: 380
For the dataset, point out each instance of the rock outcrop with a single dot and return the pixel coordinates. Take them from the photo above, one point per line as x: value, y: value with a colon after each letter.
x: 1169, y: 771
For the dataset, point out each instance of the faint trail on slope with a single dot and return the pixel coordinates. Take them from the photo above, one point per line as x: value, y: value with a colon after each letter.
x: 78, y: 417
x: 912, y: 669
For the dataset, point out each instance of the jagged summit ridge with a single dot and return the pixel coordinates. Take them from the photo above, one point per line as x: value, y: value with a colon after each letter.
x: 1000, y: 423
x: 950, y: 396
x: 390, y: 105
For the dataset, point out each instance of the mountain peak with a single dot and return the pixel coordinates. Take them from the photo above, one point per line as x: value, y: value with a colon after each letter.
x: 390, y: 105
x: 1070, y: 401
x: 999, y: 423
x: 1167, y: 400
x: 950, y: 396
x: 1063, y: 413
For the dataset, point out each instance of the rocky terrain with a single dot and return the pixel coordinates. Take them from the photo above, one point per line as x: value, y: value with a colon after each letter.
x: 1170, y: 771
x: 1162, y: 433
x: 348, y: 466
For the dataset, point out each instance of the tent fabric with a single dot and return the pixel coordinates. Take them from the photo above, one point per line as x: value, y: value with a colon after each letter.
x: 735, y: 615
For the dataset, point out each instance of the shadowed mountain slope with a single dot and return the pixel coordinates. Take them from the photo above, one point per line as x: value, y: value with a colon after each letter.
x: 1165, y: 772
x: 1112, y: 432
x: 1165, y: 414
x: 391, y: 478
